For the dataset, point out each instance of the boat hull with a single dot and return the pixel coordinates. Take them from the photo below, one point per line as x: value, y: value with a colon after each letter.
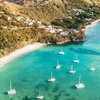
x: 39, y: 97
x: 58, y: 67
x: 92, y: 69
x: 80, y: 85
x: 52, y: 80
x: 61, y: 53
x: 76, y: 61
x: 12, y: 92
x: 72, y: 71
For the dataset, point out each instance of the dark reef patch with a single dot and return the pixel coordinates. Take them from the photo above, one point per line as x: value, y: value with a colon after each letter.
x: 26, y: 98
x: 85, y: 51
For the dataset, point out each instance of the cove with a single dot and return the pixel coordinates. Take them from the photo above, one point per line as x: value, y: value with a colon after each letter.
x: 29, y: 73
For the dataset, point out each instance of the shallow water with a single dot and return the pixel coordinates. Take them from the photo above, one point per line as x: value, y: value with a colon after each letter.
x: 30, y: 72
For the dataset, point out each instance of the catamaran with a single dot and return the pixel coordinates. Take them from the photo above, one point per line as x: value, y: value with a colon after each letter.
x: 92, y: 68
x: 58, y: 66
x: 72, y: 71
x: 39, y: 96
x: 76, y: 60
x: 61, y: 52
x: 52, y: 79
x: 11, y: 91
x: 79, y: 85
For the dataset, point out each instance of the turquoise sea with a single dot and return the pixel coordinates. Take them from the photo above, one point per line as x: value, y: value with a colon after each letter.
x: 29, y: 73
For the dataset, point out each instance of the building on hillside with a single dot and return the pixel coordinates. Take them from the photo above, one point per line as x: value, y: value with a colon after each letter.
x: 29, y: 21
x: 8, y: 18
x: 69, y: 17
x: 39, y: 22
x: 49, y: 26
x: 19, y: 18
x: 64, y: 33
x: 88, y: 19
x: 54, y: 30
x: 1, y: 12
x: 74, y: 31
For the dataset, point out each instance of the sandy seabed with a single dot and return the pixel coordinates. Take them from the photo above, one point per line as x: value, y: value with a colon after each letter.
x: 19, y: 52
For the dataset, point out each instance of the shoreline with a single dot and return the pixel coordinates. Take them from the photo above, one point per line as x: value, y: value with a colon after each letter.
x: 91, y: 25
x: 6, y: 59
x: 26, y: 49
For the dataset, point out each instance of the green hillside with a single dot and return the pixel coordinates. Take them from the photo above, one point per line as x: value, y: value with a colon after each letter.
x: 30, y: 21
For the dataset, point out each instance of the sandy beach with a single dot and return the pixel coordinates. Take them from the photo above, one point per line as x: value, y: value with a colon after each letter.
x: 29, y: 48
x: 91, y: 25
x: 19, y: 52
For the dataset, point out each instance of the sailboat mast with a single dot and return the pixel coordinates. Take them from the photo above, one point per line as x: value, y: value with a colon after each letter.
x: 61, y: 50
x: 79, y: 79
x: 76, y: 57
x: 57, y: 62
x: 51, y: 74
x: 72, y: 67
x: 92, y: 65
x: 39, y: 92
x: 10, y: 85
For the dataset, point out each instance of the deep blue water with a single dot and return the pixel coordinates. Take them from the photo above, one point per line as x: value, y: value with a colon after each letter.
x: 30, y: 72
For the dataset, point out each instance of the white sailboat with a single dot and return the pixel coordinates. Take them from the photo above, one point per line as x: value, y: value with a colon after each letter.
x: 58, y: 66
x: 39, y: 96
x: 76, y: 60
x: 61, y: 52
x: 79, y: 85
x: 52, y: 79
x: 72, y: 71
x: 92, y: 68
x: 11, y: 91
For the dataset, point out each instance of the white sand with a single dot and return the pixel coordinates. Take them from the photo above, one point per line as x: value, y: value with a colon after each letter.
x: 91, y: 25
x: 29, y: 48
x: 19, y: 52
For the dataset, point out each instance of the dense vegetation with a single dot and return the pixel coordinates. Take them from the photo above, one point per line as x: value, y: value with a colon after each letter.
x: 15, y: 34
x: 79, y: 21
